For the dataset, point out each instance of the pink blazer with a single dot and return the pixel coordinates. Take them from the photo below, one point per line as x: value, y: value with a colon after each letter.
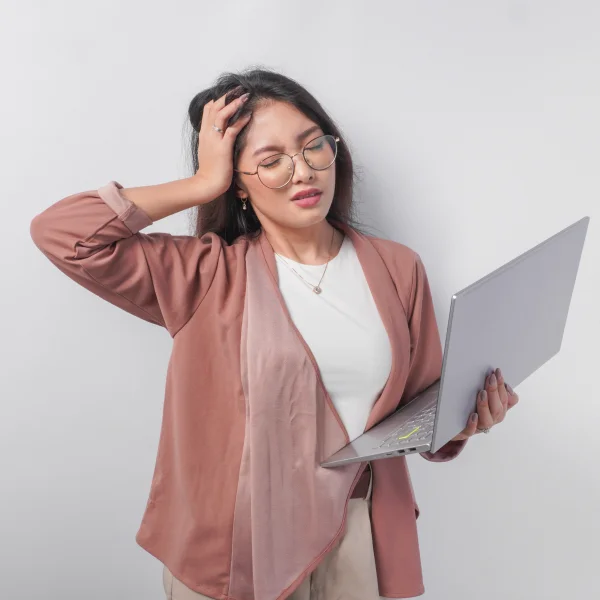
x: 239, y: 507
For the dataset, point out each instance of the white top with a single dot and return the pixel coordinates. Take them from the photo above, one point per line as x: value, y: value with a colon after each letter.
x: 343, y: 329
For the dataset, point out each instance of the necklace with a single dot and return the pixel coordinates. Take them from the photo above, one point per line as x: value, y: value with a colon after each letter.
x: 315, y: 288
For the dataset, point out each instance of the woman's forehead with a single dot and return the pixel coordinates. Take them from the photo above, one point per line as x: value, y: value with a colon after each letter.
x: 276, y: 122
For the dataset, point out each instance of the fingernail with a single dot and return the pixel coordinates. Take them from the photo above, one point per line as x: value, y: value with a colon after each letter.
x: 473, y: 417
x: 244, y: 97
x: 510, y: 390
x: 492, y: 379
x: 482, y: 396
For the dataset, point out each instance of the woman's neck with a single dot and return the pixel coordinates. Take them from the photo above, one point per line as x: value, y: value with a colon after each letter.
x: 310, y: 246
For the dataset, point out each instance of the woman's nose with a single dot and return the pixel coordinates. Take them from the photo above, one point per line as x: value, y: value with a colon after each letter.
x: 302, y: 169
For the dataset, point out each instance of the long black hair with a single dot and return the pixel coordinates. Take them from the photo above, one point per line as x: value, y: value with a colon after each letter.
x: 224, y: 215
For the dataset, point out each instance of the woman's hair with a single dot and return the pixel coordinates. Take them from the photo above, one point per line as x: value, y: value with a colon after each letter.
x: 224, y: 215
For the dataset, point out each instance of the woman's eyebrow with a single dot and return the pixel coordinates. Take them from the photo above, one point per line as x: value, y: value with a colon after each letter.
x: 298, y: 138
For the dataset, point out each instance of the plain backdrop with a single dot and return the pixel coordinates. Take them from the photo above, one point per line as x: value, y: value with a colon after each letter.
x: 475, y: 127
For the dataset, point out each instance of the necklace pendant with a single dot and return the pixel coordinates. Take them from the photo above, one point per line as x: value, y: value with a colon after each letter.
x: 317, y: 290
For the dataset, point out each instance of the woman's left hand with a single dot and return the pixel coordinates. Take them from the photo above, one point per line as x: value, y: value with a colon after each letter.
x: 493, y: 402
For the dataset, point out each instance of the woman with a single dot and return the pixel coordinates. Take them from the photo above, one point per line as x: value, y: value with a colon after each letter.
x: 293, y: 332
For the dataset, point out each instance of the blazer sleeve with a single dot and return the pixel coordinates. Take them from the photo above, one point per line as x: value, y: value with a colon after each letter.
x: 94, y: 238
x: 426, y: 355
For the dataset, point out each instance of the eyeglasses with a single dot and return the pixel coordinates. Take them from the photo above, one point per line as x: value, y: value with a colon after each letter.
x: 277, y: 170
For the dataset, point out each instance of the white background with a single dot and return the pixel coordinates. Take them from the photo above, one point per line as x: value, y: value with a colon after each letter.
x: 476, y: 127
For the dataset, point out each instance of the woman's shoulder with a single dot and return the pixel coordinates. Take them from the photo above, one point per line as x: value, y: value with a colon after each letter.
x: 396, y: 254
x: 216, y: 241
x: 403, y: 264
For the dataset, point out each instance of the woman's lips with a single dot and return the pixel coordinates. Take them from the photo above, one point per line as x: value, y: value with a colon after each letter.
x: 309, y: 201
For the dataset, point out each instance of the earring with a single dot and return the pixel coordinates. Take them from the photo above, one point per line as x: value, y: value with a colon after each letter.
x: 244, y: 207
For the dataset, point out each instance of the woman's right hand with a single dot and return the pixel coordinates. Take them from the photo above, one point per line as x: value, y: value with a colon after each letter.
x: 215, y: 149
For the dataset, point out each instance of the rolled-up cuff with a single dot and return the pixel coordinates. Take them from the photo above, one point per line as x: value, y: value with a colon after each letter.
x: 132, y: 215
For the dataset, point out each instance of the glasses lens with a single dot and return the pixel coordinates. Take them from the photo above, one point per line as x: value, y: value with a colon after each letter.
x: 276, y: 170
x: 320, y: 152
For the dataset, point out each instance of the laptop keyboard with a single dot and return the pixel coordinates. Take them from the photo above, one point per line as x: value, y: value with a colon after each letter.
x: 417, y: 428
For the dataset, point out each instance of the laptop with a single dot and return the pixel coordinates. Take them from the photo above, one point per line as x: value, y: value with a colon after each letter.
x: 514, y: 318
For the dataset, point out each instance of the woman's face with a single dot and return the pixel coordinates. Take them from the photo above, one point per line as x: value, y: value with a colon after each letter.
x: 283, y: 128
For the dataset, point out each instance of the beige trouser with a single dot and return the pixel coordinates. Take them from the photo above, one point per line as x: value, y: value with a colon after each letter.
x: 346, y: 573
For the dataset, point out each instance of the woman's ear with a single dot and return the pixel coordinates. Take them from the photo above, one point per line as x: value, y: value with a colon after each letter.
x: 240, y: 192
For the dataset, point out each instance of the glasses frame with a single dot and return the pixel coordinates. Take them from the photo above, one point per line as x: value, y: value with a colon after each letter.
x: 335, y: 139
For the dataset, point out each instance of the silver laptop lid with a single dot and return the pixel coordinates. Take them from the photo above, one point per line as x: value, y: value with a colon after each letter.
x: 514, y: 318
